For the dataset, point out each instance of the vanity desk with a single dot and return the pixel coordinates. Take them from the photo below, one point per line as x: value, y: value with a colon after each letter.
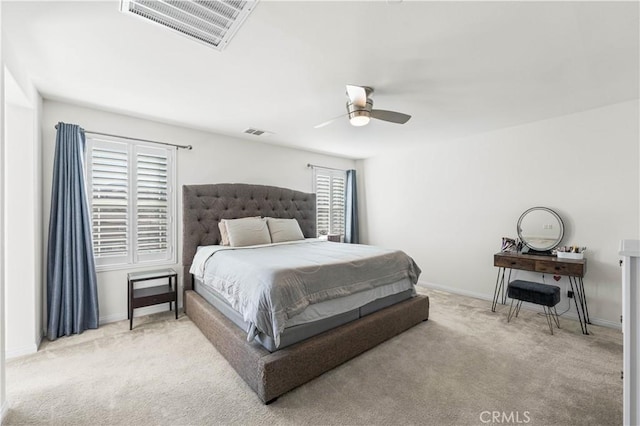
x: 573, y: 269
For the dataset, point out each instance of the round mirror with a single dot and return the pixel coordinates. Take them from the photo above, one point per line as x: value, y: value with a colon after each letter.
x: 540, y: 229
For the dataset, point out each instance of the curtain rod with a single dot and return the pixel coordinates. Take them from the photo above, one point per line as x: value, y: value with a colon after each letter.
x: 324, y: 167
x: 135, y: 139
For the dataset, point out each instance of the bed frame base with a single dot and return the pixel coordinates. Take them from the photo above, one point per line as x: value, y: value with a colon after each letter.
x: 273, y: 374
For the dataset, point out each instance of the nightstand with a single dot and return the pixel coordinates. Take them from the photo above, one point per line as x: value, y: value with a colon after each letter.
x: 140, y: 297
x: 336, y: 238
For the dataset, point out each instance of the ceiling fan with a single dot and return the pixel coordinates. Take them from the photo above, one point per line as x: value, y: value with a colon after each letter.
x: 360, y: 109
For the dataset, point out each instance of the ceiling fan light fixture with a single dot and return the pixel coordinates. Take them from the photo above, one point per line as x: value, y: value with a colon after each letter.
x: 359, y: 119
x: 359, y: 116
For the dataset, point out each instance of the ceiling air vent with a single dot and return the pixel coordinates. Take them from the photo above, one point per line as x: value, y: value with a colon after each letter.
x: 257, y: 132
x: 211, y: 22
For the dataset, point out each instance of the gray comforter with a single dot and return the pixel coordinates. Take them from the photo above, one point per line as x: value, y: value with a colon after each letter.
x: 269, y: 284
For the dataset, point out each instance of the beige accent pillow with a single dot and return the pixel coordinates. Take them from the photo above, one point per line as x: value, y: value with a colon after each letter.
x: 224, y: 236
x: 248, y: 231
x: 282, y: 230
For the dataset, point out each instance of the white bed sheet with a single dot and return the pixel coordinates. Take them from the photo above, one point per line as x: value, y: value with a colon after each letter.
x: 203, y: 253
x: 341, y: 305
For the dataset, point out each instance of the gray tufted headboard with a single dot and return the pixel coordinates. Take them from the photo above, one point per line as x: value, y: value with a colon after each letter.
x: 203, y: 206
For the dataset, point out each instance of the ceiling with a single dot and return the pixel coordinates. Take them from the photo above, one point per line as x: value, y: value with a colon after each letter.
x: 459, y: 68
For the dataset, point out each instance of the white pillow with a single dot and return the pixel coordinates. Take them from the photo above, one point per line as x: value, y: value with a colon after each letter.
x: 224, y: 237
x: 247, y: 232
x: 282, y: 230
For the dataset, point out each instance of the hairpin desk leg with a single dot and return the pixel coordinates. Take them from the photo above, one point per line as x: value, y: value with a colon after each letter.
x: 580, y: 309
x: 500, y: 288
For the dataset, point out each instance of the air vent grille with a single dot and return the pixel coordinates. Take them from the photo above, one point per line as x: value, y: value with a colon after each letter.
x: 257, y: 132
x: 210, y: 22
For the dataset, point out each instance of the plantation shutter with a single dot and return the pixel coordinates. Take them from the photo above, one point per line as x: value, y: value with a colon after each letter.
x: 323, y: 203
x: 338, y: 183
x: 153, y: 209
x: 109, y: 176
x: 132, y: 202
x: 329, y: 186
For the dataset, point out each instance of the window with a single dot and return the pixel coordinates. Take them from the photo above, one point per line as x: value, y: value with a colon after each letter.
x: 329, y: 186
x: 132, y: 202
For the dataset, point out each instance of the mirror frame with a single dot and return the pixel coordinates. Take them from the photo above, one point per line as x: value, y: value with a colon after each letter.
x: 555, y: 243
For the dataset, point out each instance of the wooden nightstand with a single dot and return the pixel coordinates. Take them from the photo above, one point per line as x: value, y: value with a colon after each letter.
x: 155, y: 295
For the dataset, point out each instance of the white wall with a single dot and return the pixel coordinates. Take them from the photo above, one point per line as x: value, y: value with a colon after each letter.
x: 39, y: 235
x: 21, y: 259
x: 214, y: 159
x: 3, y: 395
x: 23, y: 239
x: 448, y: 203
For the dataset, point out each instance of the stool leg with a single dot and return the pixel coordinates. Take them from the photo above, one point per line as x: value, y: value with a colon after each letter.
x: 510, y: 311
x: 555, y: 317
x: 547, y: 315
x: 518, y: 305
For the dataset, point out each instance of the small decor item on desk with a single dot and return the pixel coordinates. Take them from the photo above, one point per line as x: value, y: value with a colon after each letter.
x: 571, y: 252
x: 508, y: 244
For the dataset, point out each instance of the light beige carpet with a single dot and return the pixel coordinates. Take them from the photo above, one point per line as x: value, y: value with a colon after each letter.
x: 462, y: 367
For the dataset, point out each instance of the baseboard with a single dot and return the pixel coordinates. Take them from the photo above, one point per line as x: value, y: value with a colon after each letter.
x: 604, y: 323
x: 531, y: 307
x: 138, y: 312
x: 23, y: 350
x: 454, y: 290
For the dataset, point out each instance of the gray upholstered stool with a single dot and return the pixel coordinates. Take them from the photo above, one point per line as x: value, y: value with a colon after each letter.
x: 541, y: 294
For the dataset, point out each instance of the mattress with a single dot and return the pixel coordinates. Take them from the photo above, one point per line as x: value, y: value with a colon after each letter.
x: 319, y: 317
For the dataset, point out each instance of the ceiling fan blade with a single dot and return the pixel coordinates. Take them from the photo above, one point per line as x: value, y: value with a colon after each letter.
x: 357, y: 95
x: 392, y: 116
x: 326, y: 123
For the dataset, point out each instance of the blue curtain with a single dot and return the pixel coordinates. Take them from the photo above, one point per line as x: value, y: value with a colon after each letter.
x: 72, y: 295
x: 351, y: 213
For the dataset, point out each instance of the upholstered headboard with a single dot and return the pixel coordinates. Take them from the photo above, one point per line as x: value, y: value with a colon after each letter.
x: 203, y: 206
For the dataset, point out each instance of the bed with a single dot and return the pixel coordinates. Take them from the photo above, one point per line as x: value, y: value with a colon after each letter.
x: 272, y: 366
